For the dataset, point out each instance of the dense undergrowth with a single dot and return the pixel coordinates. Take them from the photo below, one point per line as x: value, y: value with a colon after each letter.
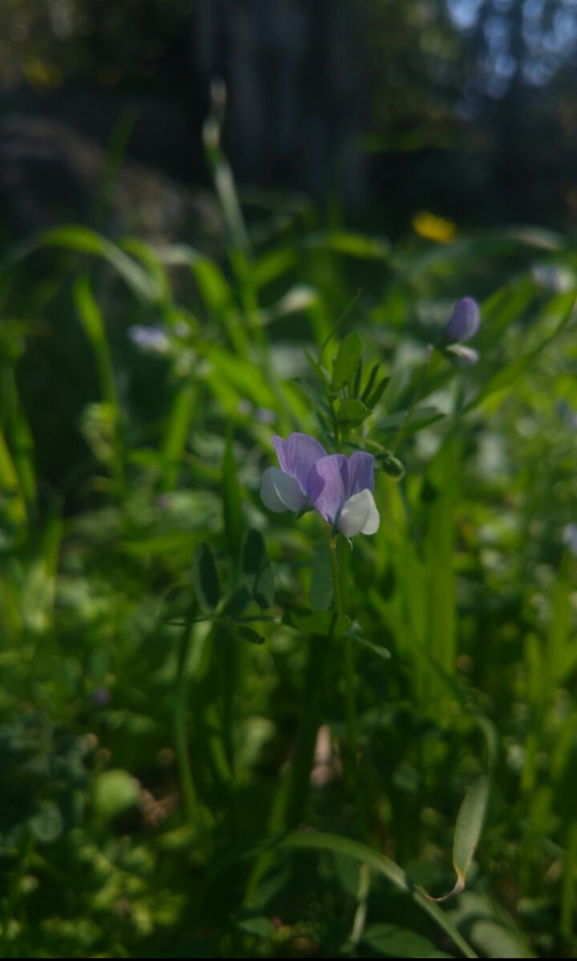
x: 199, y: 755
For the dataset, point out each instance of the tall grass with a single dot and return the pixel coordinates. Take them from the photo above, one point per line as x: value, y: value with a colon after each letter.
x: 171, y: 651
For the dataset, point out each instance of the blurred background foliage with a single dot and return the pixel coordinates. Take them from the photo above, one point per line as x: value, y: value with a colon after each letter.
x: 177, y: 270
x: 469, y: 102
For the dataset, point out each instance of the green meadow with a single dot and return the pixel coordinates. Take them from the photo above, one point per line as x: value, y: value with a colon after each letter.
x: 227, y: 732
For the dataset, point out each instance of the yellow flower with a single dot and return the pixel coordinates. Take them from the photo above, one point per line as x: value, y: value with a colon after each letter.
x: 427, y: 225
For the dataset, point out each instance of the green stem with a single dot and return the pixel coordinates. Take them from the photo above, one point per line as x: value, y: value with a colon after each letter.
x: 350, y: 698
x: 290, y: 801
x: 338, y: 598
x: 192, y: 805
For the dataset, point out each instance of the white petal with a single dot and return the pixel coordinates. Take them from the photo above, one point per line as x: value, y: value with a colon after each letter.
x: 281, y: 492
x: 374, y: 518
x: 359, y: 515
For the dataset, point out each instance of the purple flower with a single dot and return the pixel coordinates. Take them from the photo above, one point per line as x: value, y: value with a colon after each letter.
x: 286, y: 489
x: 152, y: 340
x: 101, y: 696
x: 340, y: 489
x: 464, y: 321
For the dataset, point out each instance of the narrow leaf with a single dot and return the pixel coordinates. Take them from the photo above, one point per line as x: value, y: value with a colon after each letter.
x: 421, y: 417
x: 373, y: 399
x: 381, y: 864
x: 176, y: 434
x: 232, y: 503
x: 379, y: 651
x: 264, y: 587
x: 468, y: 827
x: 253, y: 553
x: 397, y: 942
x: 346, y: 361
x: 84, y: 240
x: 238, y: 602
x: 247, y: 634
x: 205, y: 576
x: 353, y: 245
x: 317, y: 622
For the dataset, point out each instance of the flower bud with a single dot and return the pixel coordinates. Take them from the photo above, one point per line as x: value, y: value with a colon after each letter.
x: 464, y: 321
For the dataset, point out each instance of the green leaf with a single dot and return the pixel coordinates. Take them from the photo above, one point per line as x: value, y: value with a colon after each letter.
x: 264, y: 587
x: 212, y: 284
x: 86, y: 241
x: 88, y: 310
x: 374, y: 391
x: 260, y: 927
x: 353, y: 412
x: 379, y: 651
x: 47, y: 825
x: 468, y: 828
x: 490, y: 927
x: 347, y: 871
x: 254, y: 555
x: 346, y: 361
x: 231, y: 503
x: 273, y: 264
x: 176, y: 434
x: 357, y: 380
x: 317, y: 622
x: 398, y: 390
x: 154, y: 266
x: 391, y: 465
x: 238, y: 602
x: 10, y: 486
x: 205, y: 577
x: 94, y: 328
x: 247, y: 634
x: 256, y: 565
x: 496, y: 941
x: 372, y: 379
x: 354, y: 245
x: 396, y: 942
x: 420, y: 417
x: 114, y: 792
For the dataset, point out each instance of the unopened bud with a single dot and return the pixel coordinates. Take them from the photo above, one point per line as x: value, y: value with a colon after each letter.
x: 464, y: 321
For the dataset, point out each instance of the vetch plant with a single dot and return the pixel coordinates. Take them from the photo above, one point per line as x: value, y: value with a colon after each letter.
x: 340, y: 489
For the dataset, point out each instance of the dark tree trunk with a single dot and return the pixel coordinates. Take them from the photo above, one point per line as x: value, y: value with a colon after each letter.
x: 295, y: 83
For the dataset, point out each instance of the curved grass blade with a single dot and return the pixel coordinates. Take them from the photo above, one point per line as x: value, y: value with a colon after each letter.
x: 468, y: 831
x: 381, y: 864
x: 83, y: 240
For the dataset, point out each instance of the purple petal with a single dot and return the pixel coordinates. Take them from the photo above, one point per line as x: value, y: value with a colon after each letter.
x: 327, y: 485
x: 464, y: 321
x: 297, y: 454
x: 361, y: 470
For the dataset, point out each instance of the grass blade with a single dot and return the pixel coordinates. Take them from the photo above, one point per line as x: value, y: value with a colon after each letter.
x: 383, y: 865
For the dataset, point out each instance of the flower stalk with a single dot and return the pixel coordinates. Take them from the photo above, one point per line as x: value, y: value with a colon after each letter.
x: 349, y: 672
